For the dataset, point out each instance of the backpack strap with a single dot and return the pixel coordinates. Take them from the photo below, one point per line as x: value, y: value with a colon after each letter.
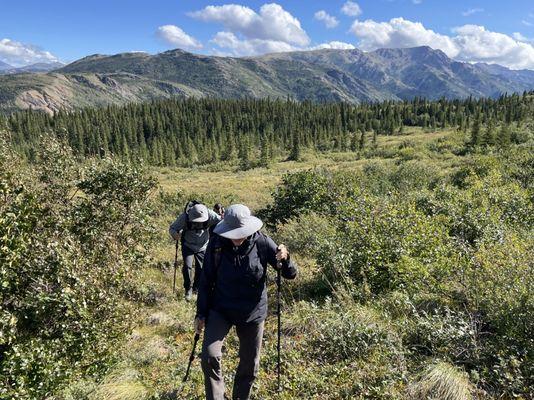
x: 261, y: 243
x: 217, y: 256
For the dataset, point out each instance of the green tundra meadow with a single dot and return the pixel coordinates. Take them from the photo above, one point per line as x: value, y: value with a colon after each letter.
x: 412, y: 224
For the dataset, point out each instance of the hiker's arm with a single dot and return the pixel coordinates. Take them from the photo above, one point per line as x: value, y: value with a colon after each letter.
x: 177, y: 226
x: 205, y: 286
x: 213, y: 218
x: 289, y: 269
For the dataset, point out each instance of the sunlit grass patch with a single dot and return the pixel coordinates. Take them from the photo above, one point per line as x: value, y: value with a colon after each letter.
x: 122, y: 384
x: 441, y: 381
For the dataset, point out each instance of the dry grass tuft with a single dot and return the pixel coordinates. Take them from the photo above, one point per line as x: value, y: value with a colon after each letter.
x: 121, y: 385
x: 441, y: 381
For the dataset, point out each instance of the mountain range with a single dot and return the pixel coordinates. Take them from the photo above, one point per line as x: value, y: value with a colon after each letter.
x: 319, y: 75
x: 32, y: 68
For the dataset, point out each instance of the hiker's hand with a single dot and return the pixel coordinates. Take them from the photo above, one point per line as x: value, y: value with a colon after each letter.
x: 282, y: 253
x: 199, y: 325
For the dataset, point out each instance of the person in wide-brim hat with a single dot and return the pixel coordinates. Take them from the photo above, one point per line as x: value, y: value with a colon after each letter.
x: 233, y: 292
x: 238, y: 223
x: 191, y: 228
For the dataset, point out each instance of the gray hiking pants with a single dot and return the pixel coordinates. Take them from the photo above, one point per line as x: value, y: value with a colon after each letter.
x: 191, y: 276
x: 250, y: 336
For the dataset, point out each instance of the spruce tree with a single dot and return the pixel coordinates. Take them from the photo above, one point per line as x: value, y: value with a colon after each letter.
x: 294, y: 155
x: 354, y: 140
x: 475, y: 132
x: 505, y: 136
x: 362, y: 140
x: 488, y: 139
x: 230, y: 150
x: 244, y: 152
x: 265, y: 157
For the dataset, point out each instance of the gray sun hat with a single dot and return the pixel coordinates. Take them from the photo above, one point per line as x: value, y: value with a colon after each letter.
x: 198, y: 213
x: 238, y: 223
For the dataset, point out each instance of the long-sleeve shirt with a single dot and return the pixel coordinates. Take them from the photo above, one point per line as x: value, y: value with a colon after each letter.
x: 236, y: 287
x: 194, y: 239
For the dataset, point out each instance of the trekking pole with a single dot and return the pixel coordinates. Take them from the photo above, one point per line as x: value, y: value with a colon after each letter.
x: 279, y: 313
x: 191, y: 357
x: 175, y: 267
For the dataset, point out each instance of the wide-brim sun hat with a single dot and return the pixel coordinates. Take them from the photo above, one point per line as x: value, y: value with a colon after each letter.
x: 238, y: 223
x: 198, y: 213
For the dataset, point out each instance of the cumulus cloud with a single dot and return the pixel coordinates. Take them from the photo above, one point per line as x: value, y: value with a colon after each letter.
x: 522, y: 38
x: 472, y: 11
x: 470, y: 43
x: 329, y: 20
x: 400, y: 32
x: 248, y: 47
x: 272, y: 23
x: 19, y: 54
x: 231, y: 45
x: 475, y: 43
x: 351, y: 9
x: 334, y: 45
x: 177, y: 37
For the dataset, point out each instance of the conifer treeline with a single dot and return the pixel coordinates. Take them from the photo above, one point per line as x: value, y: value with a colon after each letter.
x: 200, y: 131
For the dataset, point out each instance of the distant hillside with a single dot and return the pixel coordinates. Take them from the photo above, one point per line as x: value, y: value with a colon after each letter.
x: 320, y: 75
x: 33, y: 68
x: 4, y: 66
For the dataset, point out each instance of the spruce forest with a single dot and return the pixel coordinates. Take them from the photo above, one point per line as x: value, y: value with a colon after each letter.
x: 203, y: 131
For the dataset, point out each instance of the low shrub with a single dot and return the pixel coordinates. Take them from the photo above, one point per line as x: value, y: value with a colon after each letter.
x: 70, y: 239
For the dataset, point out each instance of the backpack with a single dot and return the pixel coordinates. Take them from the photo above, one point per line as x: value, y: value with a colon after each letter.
x: 189, y: 225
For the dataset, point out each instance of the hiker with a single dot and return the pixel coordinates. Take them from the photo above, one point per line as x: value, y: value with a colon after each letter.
x: 218, y: 208
x: 233, y: 292
x: 192, y: 229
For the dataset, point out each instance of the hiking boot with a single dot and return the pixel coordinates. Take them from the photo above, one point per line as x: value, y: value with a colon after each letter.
x: 188, y: 295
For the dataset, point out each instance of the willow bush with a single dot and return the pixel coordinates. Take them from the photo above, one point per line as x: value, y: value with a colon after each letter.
x: 71, y: 238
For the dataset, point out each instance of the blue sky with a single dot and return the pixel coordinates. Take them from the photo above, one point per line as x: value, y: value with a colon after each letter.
x: 467, y: 30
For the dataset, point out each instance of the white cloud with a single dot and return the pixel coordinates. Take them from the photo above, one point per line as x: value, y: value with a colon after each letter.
x: 351, y: 9
x: 248, y: 47
x: 472, y: 11
x: 329, y: 20
x: 522, y: 38
x: 19, y: 54
x: 400, y: 32
x: 230, y: 45
x: 334, y: 45
x: 475, y: 43
x: 470, y: 43
x: 527, y: 23
x: 272, y: 23
x: 177, y: 37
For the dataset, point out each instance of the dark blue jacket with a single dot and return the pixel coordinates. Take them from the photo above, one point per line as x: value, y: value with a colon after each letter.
x: 237, y: 288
